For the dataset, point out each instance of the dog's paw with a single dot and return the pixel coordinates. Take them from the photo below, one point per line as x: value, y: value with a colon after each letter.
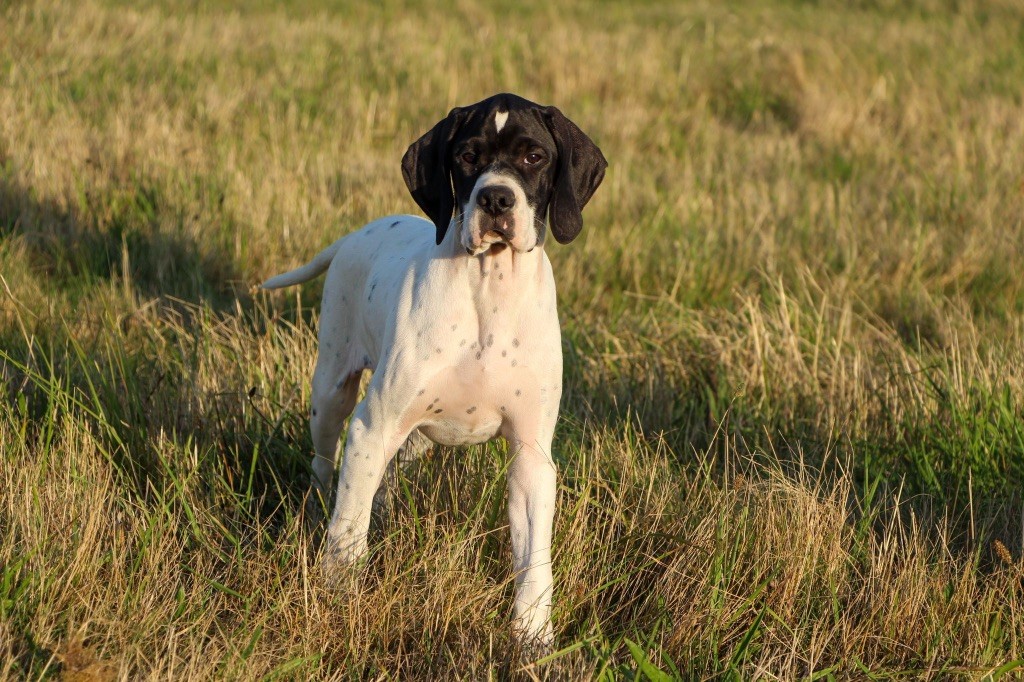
x: 341, y: 560
x: 337, y: 574
x: 314, y: 515
x: 535, y: 651
x: 536, y: 645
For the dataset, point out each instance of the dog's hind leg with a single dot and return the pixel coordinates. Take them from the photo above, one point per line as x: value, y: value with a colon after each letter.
x: 335, y: 389
x: 333, y: 400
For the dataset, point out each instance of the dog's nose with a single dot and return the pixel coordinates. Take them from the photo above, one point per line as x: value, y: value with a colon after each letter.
x: 496, y: 200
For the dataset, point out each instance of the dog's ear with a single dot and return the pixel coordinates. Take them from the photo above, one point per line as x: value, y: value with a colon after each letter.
x: 580, y: 170
x: 426, y: 168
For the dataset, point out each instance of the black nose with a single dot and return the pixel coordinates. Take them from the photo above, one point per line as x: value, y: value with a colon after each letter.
x: 496, y: 200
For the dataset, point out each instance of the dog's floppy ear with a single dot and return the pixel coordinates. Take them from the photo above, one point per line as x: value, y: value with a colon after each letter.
x: 426, y: 168
x: 580, y: 170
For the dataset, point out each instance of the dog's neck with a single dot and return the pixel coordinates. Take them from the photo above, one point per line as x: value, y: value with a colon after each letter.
x: 523, y: 264
x: 500, y: 277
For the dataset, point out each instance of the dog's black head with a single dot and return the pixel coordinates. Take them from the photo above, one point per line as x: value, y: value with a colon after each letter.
x: 504, y: 164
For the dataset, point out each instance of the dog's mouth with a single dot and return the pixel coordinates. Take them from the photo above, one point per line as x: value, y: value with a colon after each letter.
x: 494, y: 237
x: 492, y: 249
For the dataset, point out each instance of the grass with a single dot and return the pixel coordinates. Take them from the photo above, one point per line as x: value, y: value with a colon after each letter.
x: 792, y: 443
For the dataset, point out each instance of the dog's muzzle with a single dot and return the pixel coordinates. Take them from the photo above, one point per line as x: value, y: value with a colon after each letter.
x: 497, y: 214
x: 496, y: 204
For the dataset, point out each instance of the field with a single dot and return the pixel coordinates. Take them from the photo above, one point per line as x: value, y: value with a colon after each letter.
x: 792, y: 436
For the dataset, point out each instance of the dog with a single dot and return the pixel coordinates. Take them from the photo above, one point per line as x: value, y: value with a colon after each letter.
x: 458, y: 325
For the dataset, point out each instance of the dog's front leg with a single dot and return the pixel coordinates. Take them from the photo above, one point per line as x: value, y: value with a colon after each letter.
x: 373, y: 439
x: 531, y: 511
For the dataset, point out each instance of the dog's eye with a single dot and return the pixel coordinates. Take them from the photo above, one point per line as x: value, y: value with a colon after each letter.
x: 469, y: 157
x: 533, y: 158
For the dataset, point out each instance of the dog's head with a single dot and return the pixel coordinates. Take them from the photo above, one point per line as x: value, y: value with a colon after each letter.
x: 502, y: 165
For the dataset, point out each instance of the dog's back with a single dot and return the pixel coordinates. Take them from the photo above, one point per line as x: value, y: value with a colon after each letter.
x: 359, y: 248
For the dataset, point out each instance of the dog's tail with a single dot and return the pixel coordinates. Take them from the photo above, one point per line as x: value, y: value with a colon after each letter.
x: 305, y: 273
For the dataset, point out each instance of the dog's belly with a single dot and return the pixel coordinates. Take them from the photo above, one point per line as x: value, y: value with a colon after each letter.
x: 458, y: 431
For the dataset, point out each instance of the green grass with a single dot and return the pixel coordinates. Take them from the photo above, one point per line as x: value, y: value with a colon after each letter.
x: 792, y: 443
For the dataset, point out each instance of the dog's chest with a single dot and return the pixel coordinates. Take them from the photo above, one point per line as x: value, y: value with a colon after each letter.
x: 490, y: 375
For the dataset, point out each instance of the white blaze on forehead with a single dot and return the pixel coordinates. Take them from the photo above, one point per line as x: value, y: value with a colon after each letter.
x: 500, y: 117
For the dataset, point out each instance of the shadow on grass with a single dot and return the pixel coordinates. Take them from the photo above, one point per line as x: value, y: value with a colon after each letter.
x: 132, y: 231
x: 135, y: 380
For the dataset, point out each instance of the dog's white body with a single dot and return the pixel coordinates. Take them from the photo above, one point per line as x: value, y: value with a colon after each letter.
x: 463, y: 349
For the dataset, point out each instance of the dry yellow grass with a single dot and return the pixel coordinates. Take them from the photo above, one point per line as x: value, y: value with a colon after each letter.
x: 792, y: 443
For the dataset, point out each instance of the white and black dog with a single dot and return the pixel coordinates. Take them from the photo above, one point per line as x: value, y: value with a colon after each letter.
x: 461, y: 332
